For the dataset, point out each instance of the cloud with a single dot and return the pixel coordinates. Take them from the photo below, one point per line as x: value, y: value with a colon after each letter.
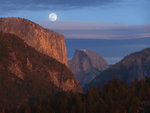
x: 11, y: 5
x: 98, y: 30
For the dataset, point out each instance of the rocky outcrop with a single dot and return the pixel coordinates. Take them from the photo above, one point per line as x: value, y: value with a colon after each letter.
x: 43, y: 40
x: 136, y: 65
x: 86, y: 65
x: 24, y: 72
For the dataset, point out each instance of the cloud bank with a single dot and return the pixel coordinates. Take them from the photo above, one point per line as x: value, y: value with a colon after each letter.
x: 11, y: 5
x: 98, y: 30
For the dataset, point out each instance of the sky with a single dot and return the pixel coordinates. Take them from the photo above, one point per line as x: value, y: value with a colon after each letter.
x: 115, y: 11
x: 98, y: 19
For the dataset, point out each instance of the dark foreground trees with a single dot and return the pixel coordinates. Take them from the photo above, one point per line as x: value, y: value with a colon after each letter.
x: 114, y: 97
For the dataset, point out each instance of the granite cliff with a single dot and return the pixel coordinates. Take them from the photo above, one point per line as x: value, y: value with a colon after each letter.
x: 26, y: 73
x: 43, y: 40
x: 86, y: 65
x: 135, y: 65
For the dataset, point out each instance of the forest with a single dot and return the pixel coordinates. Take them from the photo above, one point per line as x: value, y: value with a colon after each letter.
x: 115, y: 97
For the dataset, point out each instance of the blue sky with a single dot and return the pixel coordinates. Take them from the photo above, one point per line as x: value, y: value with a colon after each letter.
x: 114, y: 11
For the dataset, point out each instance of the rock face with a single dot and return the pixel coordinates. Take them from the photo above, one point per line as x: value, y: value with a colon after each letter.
x: 24, y: 72
x: 136, y: 65
x: 86, y: 65
x: 43, y: 40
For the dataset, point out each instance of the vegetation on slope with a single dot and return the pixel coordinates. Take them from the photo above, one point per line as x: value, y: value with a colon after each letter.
x: 114, y: 97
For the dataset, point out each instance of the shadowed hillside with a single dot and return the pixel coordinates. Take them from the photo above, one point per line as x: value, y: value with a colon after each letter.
x: 26, y: 73
x: 136, y: 65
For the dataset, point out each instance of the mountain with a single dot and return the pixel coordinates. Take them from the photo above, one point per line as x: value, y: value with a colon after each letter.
x: 136, y: 65
x: 86, y: 65
x: 25, y: 73
x: 43, y: 40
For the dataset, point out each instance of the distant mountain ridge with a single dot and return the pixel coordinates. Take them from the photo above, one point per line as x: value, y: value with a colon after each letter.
x: 135, y: 65
x: 86, y: 65
x: 43, y: 40
x: 26, y: 73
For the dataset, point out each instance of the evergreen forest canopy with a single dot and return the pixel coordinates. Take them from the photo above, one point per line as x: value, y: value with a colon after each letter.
x: 114, y: 97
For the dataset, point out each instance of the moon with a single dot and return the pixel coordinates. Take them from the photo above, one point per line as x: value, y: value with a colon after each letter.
x: 52, y: 17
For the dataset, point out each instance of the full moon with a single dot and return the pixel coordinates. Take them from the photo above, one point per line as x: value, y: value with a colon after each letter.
x: 53, y: 17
